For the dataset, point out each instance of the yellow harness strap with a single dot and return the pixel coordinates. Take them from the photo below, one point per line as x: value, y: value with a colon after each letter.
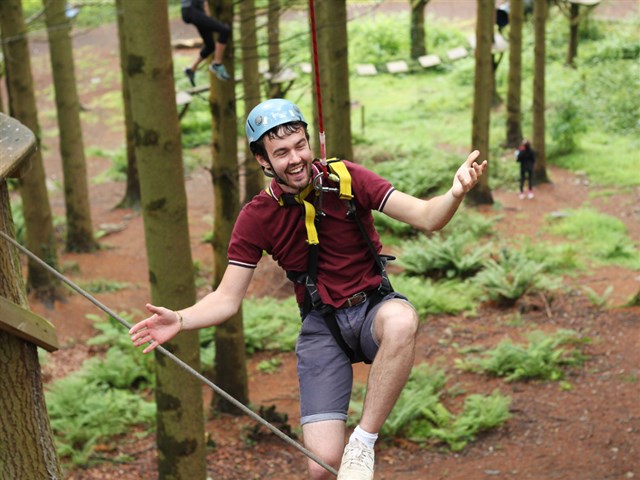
x: 336, y: 167
x: 309, y: 213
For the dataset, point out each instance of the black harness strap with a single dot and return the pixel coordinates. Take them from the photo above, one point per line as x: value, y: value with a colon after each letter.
x: 312, y: 300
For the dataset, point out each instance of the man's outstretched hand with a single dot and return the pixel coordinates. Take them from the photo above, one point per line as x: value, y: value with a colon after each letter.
x: 467, y: 175
x: 160, y: 327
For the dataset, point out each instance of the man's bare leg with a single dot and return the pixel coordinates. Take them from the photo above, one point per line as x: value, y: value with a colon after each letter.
x: 395, y: 328
x: 325, y: 439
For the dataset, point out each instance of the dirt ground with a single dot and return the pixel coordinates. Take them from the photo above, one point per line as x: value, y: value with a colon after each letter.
x: 591, y: 431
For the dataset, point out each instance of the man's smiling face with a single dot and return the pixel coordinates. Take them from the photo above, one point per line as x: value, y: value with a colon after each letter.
x: 290, y: 158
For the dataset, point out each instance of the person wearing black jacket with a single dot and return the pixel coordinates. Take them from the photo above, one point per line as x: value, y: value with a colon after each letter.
x: 526, y: 157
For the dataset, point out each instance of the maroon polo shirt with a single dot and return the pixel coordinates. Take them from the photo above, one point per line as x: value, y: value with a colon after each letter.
x: 345, y: 263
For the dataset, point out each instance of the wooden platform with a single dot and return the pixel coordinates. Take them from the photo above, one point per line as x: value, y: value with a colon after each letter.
x: 17, y: 143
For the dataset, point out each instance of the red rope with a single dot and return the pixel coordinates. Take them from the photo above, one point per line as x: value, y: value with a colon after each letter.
x: 314, y: 39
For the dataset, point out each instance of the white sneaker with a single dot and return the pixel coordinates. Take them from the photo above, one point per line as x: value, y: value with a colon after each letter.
x: 357, y: 462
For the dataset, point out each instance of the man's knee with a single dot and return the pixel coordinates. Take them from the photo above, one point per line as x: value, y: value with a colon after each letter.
x: 317, y: 472
x: 399, y: 323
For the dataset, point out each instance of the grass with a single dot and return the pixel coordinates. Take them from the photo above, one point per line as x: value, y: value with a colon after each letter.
x: 603, y: 238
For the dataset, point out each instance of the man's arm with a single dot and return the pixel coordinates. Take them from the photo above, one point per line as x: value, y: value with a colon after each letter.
x: 214, y: 309
x: 435, y: 213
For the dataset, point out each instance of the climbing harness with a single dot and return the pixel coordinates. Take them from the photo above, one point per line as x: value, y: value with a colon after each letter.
x: 172, y: 357
x: 337, y: 173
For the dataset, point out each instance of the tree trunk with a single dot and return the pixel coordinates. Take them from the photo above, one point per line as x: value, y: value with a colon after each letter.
x: 27, y: 448
x: 131, y: 197
x: 35, y: 200
x: 253, y: 178
x: 230, y: 367
x: 514, y: 113
x: 76, y: 192
x: 180, y: 421
x: 539, y: 24
x: 418, y: 47
x: 273, y: 45
x: 482, y: 96
x: 333, y: 59
x: 574, y: 24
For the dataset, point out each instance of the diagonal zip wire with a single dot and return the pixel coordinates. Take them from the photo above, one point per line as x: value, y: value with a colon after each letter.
x: 171, y: 356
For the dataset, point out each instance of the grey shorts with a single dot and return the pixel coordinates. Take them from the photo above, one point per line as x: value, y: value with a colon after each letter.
x: 325, y: 374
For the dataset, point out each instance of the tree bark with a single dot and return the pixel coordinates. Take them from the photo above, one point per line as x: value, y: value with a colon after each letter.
x: 35, y: 200
x: 27, y: 448
x: 273, y: 46
x: 76, y: 191
x: 131, y: 197
x: 574, y: 24
x: 539, y: 26
x: 253, y: 177
x: 149, y: 68
x: 418, y: 47
x: 514, y: 113
x: 230, y: 368
x: 482, y: 95
x: 333, y: 59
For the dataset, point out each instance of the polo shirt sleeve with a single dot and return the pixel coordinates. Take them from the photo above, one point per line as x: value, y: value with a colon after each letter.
x: 245, y: 249
x: 371, y: 190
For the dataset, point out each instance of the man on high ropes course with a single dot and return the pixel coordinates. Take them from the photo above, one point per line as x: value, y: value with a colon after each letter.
x: 315, y: 220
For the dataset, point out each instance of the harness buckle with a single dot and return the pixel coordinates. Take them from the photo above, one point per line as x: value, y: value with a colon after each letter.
x: 355, y: 299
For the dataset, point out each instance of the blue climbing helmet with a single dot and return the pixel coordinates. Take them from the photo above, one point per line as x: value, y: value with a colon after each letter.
x: 270, y: 114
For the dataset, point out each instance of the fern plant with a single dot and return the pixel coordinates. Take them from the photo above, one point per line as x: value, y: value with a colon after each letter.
x: 511, y: 276
x: 439, y: 256
x: 420, y: 415
x: 545, y: 357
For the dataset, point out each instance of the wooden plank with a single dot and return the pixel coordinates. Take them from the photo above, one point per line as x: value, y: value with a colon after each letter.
x: 198, y: 89
x: 399, y: 66
x: 305, y: 67
x: 586, y: 3
x: 457, y: 53
x: 183, y: 98
x: 17, y: 143
x: 284, y: 75
x: 366, y: 69
x: 27, y: 325
x: 428, y: 61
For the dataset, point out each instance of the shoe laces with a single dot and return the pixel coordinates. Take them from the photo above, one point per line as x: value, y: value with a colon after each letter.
x: 359, y: 454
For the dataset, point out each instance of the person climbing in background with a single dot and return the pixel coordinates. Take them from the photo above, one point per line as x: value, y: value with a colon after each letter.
x: 526, y: 157
x: 315, y: 219
x: 193, y: 12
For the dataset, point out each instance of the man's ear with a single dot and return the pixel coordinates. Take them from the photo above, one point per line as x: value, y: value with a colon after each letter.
x: 262, y: 161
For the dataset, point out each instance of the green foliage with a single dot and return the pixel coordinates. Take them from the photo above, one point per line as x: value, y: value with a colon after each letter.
x: 601, y: 237
x: 102, y: 285
x: 544, y: 357
x: 84, y: 412
x: 100, y: 401
x: 18, y: 220
x: 420, y: 173
x: 511, y: 276
x: 567, y: 125
x: 556, y: 258
x: 270, y: 324
x: 481, y: 413
x: 377, y: 40
x: 117, y: 172
x: 445, y: 296
x: 270, y: 366
x: 455, y: 255
x: 598, y: 300
x: 420, y: 415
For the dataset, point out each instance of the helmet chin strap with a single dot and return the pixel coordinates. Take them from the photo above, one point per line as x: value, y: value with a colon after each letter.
x: 270, y: 173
